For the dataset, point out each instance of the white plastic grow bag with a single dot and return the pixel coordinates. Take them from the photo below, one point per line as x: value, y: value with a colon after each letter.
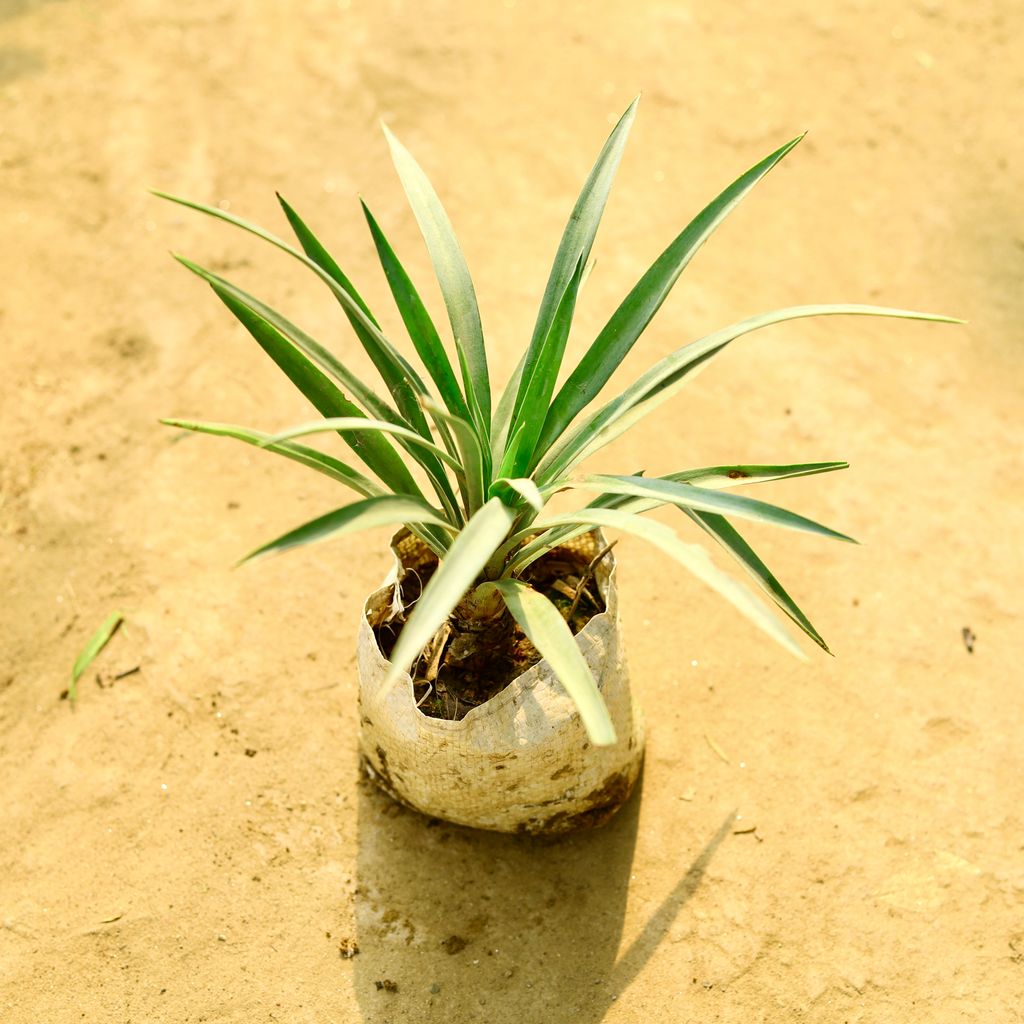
x: 521, y: 762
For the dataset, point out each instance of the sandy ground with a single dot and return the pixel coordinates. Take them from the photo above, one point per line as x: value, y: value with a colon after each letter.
x: 193, y: 843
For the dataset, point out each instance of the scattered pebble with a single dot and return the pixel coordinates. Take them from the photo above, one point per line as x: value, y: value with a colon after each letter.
x: 454, y: 944
x: 969, y: 638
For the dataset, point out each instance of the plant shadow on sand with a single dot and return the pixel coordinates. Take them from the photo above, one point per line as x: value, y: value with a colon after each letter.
x: 460, y: 925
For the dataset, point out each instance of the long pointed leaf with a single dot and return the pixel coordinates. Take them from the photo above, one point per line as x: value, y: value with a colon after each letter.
x: 467, y: 557
x: 471, y: 452
x: 348, y: 303
x: 689, y: 496
x: 538, y: 383
x: 502, y: 419
x: 401, y: 380
x: 720, y: 478
x: 385, y: 510
x: 319, y: 355
x: 313, y: 248
x: 417, y: 321
x: 430, y: 455
x: 359, y: 424
x: 663, y: 380
x: 690, y: 556
x: 373, y: 449
x: 88, y: 654
x: 325, y: 359
x: 525, y: 546
x: 475, y: 414
x: 729, y: 537
x: 548, y: 632
x: 323, y: 463
x: 452, y: 275
x: 713, y: 477
x: 509, y: 459
x: 629, y: 321
x: 346, y: 300
x: 575, y: 245
x: 314, y: 459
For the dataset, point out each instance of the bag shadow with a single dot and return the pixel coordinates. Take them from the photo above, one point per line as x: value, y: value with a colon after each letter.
x: 461, y: 925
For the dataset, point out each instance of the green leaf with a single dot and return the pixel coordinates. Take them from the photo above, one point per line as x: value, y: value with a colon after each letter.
x: 431, y: 461
x: 373, y: 449
x: 323, y: 463
x: 383, y: 347
x: 519, y: 552
x: 312, y: 247
x: 715, y: 477
x: 508, y: 461
x: 468, y: 555
x: 638, y: 308
x: 96, y: 644
x: 418, y: 322
x: 691, y: 556
x: 470, y: 450
x: 385, y: 510
x: 541, y: 621
x: 326, y: 464
x: 574, y: 248
x: 502, y: 419
x: 369, y: 445
x: 475, y: 413
x: 711, y: 477
x: 402, y: 381
x: 325, y: 359
x: 359, y: 425
x: 319, y: 355
x: 452, y: 275
x: 348, y: 303
x: 538, y: 382
x: 688, y: 496
x: 513, y: 490
x: 663, y: 380
x: 729, y: 537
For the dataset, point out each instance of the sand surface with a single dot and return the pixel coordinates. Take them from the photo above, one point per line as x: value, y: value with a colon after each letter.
x: 193, y: 842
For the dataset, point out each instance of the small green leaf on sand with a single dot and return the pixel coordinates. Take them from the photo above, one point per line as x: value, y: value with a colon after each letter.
x: 716, y: 748
x: 96, y: 644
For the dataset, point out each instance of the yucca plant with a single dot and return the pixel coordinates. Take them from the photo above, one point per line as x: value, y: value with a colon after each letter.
x: 471, y: 478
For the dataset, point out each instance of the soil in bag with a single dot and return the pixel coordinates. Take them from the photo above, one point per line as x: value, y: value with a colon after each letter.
x: 467, y: 663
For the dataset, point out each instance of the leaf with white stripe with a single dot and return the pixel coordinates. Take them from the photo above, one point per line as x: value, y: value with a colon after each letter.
x: 694, y: 558
x: 543, y: 624
x: 705, y: 500
x: 452, y: 275
x: 458, y: 571
x: 386, y: 510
